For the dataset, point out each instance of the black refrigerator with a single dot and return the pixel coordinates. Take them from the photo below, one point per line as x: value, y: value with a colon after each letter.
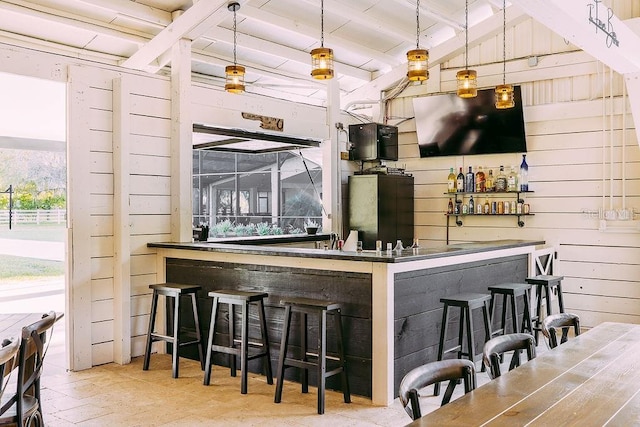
x: 381, y: 208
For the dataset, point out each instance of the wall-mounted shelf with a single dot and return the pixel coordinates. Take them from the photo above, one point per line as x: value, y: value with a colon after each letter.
x: 459, y: 198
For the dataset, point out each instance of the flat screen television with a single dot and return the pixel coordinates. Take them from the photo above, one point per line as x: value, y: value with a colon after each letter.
x: 448, y: 125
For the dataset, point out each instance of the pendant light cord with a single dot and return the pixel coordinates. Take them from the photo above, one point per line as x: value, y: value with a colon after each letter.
x: 321, y: 23
x: 466, y: 34
x: 235, y: 37
x: 418, y: 24
x: 504, y: 41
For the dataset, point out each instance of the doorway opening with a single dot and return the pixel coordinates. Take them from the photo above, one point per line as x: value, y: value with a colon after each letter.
x: 33, y: 181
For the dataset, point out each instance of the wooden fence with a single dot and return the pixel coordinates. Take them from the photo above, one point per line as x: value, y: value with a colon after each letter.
x: 36, y: 216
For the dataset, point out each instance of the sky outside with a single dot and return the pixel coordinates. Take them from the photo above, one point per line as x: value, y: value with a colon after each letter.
x: 32, y: 108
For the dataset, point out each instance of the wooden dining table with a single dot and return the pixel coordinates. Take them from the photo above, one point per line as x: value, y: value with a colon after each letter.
x: 591, y: 380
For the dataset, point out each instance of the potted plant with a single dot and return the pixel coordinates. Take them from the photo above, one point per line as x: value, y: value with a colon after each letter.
x: 311, y: 226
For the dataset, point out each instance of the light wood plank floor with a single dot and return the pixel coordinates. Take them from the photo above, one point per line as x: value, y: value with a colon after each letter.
x: 115, y: 395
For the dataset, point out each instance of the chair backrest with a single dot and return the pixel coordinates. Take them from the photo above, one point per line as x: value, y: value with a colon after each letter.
x: 30, y: 365
x: 8, y: 352
x: 562, y: 321
x: 495, y: 347
x: 445, y: 370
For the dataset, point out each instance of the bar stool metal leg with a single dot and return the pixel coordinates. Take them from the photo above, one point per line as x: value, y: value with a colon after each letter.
x: 443, y: 337
x: 232, y: 344
x: 194, y: 305
x: 244, y: 347
x: 304, y: 373
x: 346, y: 393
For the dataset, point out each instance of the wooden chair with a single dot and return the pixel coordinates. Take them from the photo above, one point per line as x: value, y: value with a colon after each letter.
x: 496, y: 347
x: 450, y: 370
x: 24, y: 407
x: 8, y: 352
x: 562, y: 321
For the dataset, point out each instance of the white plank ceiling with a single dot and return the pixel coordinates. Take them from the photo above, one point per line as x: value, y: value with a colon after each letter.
x: 274, y: 37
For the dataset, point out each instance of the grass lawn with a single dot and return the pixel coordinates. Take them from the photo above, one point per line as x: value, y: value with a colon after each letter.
x: 22, y: 268
x: 16, y: 267
x: 42, y: 232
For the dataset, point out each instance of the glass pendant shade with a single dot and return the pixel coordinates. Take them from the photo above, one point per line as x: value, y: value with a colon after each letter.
x: 417, y: 65
x: 504, y: 97
x: 235, y: 78
x: 467, y: 83
x: 322, y: 63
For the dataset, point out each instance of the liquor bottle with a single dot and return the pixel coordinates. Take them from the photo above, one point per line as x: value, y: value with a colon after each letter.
x: 479, y: 207
x: 472, y: 208
x: 501, y: 180
x: 524, y: 174
x: 460, y: 181
x: 489, y: 182
x: 512, y: 180
x: 469, y: 183
x: 450, y: 207
x: 480, y: 181
x: 458, y: 208
x: 451, y: 181
x: 487, y: 207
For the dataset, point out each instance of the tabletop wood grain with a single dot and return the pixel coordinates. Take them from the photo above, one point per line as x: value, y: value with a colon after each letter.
x: 592, y: 380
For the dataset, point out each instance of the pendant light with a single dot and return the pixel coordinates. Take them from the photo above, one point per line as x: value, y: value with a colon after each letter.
x: 504, y: 92
x: 322, y: 57
x: 417, y: 58
x: 235, y: 72
x: 467, y: 79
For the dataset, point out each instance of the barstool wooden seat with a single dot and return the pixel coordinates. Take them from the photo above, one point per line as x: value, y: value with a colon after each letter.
x: 467, y: 302
x: 545, y: 284
x: 510, y: 292
x: 306, y: 306
x: 243, y: 299
x: 174, y: 291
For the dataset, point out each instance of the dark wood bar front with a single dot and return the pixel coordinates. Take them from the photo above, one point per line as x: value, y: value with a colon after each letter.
x: 391, y: 308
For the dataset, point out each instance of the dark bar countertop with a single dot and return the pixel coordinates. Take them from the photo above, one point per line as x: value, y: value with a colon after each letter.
x: 426, y: 251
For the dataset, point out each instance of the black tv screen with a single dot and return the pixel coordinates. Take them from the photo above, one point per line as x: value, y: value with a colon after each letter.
x: 448, y: 125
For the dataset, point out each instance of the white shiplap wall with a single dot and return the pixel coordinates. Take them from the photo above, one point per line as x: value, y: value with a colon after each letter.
x: 563, y: 110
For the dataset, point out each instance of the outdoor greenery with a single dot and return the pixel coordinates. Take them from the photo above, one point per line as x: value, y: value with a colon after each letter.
x: 38, y: 179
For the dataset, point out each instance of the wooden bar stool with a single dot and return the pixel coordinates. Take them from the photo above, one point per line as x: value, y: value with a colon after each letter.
x: 243, y: 299
x: 174, y: 291
x: 546, y: 284
x: 306, y: 306
x: 467, y: 302
x: 510, y: 292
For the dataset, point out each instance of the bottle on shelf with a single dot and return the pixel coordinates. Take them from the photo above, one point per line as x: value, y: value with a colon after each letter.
x: 489, y: 183
x: 524, y: 174
x: 460, y: 181
x: 472, y: 208
x: 451, y: 181
x: 479, y: 207
x: 487, y: 207
x: 480, y: 181
x: 501, y: 180
x: 512, y: 180
x: 469, y: 182
x: 450, y: 206
x: 457, y: 210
